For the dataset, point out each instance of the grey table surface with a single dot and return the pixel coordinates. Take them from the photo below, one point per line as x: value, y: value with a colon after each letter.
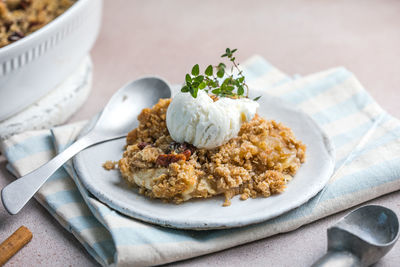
x: 167, y: 37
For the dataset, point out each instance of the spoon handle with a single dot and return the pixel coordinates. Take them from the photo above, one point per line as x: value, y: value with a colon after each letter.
x: 18, y: 193
x: 338, y: 259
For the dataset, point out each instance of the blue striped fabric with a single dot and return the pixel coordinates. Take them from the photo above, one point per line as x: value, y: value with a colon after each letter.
x: 366, y: 138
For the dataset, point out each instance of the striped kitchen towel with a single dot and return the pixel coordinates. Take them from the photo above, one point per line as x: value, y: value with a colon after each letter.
x: 366, y: 138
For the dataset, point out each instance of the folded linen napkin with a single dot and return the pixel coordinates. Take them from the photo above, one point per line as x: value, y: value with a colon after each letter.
x: 366, y: 138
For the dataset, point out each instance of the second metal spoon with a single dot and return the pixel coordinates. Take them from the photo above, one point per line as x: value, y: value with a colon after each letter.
x: 361, y: 238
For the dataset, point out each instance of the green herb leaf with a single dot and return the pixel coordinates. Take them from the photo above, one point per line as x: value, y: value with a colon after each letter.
x: 188, y: 78
x: 226, y: 81
x: 221, y: 66
x: 258, y: 97
x: 193, y: 91
x: 214, y: 84
x: 199, y: 79
x: 195, y: 70
x: 240, y: 90
x: 209, y: 70
x: 220, y: 73
x: 217, y: 84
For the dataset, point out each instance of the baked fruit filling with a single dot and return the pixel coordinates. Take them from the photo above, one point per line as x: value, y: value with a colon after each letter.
x: 258, y: 162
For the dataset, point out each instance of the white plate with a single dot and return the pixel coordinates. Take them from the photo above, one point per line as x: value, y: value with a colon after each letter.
x: 110, y: 188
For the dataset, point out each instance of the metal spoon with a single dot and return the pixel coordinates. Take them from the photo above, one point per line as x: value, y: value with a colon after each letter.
x: 115, y: 121
x: 361, y: 238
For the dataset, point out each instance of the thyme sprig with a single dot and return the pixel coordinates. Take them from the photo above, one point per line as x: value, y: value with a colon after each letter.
x: 217, y: 81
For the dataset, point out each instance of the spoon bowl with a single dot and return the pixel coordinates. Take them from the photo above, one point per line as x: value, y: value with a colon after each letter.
x: 361, y: 238
x: 119, y: 115
x: 115, y: 121
x: 375, y: 225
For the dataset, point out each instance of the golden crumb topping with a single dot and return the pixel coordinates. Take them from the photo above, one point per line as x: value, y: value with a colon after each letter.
x: 260, y: 161
x: 18, y: 18
x: 110, y: 165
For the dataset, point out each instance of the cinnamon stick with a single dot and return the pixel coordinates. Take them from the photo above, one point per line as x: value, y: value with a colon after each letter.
x: 14, y: 243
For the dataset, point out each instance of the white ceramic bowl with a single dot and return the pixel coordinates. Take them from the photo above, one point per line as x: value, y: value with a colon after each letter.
x: 34, y: 65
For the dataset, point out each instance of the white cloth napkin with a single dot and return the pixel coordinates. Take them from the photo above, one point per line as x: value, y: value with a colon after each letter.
x: 366, y: 138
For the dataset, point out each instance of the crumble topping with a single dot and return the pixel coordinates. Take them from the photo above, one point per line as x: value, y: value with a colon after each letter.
x: 18, y: 18
x: 110, y: 165
x: 260, y: 161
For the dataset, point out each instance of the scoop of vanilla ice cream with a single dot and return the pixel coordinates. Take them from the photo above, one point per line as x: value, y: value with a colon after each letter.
x: 204, y: 123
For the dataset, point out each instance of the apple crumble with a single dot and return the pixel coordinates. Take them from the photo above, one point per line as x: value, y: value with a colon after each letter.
x: 18, y: 18
x: 259, y: 161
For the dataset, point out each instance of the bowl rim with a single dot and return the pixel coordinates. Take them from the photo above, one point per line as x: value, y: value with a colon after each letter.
x: 36, y: 35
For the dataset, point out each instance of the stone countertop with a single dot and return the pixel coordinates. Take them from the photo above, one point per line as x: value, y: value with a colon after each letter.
x: 167, y: 37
